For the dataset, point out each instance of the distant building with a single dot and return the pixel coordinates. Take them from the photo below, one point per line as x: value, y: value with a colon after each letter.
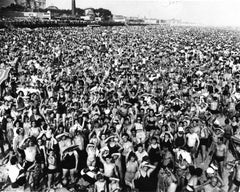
x: 119, y: 18
x: 86, y: 18
x: 40, y: 15
x: 52, y: 8
x: 41, y: 4
x: 174, y: 22
x: 73, y: 7
x: 151, y: 21
x: 135, y: 20
x: 162, y: 21
x: 89, y: 14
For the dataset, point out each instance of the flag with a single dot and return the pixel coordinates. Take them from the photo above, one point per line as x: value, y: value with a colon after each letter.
x: 4, y: 74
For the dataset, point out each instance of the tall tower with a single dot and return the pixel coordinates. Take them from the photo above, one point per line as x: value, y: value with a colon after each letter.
x: 73, y: 7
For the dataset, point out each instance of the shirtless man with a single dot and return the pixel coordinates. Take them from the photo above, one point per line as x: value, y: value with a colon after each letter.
x: 236, y: 178
x: 118, y: 162
x: 220, y: 154
x: 30, y: 155
x: 108, y: 166
x: 64, y: 143
x: 216, y: 134
x: 91, y: 154
x: 211, y: 186
x: 79, y: 140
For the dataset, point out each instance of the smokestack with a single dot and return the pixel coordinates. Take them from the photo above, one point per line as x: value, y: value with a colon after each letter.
x: 73, y: 7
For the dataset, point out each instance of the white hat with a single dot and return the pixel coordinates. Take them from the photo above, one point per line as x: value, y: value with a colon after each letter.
x: 116, y: 154
x: 90, y: 145
x: 91, y: 168
x: 210, y: 170
x: 180, y: 129
x: 114, y: 179
x: 214, y: 167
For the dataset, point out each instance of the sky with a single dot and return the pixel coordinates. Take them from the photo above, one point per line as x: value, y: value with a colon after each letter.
x: 208, y: 12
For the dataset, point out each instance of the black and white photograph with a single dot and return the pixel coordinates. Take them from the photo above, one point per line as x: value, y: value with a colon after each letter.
x: 120, y: 95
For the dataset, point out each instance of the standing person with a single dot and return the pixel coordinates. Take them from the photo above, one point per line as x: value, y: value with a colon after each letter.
x: 2, y: 141
x: 109, y: 167
x: 131, y: 169
x: 143, y: 180
x: 204, y: 141
x: 220, y: 155
x: 79, y: 140
x: 51, y: 167
x: 91, y: 155
x: 154, y: 151
x: 179, y: 138
x: 140, y: 132
x: 69, y: 165
x: 193, y: 142
x: 127, y: 147
x: 151, y: 122
x: 36, y: 175
x: 30, y: 151
x: 118, y: 162
x: 9, y: 132
x: 18, y: 139
x: 61, y: 106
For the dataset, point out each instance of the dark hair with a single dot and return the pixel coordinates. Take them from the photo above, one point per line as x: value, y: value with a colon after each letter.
x: 220, y: 138
x: 191, y: 170
x: 227, y: 121
x: 198, y: 172
x: 13, y: 160
x: 38, y: 158
x: 132, y: 154
x: 154, y: 138
x: 108, y: 157
x: 99, y: 176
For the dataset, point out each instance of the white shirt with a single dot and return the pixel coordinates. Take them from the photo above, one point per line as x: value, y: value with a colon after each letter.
x: 13, y: 173
x: 141, y: 155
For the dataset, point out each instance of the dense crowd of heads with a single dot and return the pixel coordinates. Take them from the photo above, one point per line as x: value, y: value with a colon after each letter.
x: 152, y: 108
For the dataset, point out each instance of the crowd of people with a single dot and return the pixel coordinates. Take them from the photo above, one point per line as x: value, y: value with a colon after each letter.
x: 37, y: 23
x: 120, y: 108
